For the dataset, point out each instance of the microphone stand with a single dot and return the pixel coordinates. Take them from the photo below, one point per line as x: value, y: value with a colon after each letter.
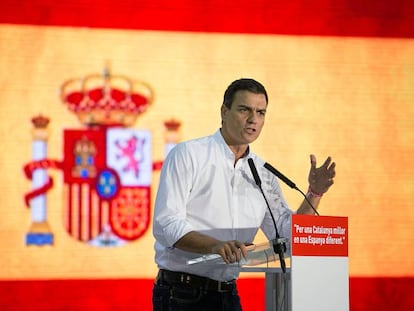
x: 279, y: 244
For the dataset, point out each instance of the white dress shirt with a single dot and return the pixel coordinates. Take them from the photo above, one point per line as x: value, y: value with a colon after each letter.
x: 202, y: 190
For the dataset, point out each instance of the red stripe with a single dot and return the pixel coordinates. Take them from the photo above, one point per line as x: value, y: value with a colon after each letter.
x: 69, y: 209
x: 80, y: 211
x: 377, y: 18
x: 135, y: 294
x: 89, y: 215
x: 99, y: 216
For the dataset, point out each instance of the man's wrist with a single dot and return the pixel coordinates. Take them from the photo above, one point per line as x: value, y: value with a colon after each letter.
x: 312, y: 193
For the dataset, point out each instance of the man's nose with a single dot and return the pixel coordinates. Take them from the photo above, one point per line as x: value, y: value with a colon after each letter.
x: 252, y: 117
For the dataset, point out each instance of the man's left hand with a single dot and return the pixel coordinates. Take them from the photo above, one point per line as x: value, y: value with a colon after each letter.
x: 321, y: 178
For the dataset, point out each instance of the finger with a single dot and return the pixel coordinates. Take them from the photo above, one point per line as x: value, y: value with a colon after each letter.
x: 313, y: 161
x: 331, y: 171
x: 229, y: 253
x: 328, y: 186
x: 226, y: 259
x: 241, y: 248
x: 327, y: 162
x: 236, y: 252
x: 225, y: 253
x: 238, y: 255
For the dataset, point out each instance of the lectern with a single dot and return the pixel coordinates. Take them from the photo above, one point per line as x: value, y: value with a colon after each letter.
x: 317, y: 274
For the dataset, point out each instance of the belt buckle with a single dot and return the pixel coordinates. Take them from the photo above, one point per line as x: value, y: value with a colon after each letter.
x: 220, y: 288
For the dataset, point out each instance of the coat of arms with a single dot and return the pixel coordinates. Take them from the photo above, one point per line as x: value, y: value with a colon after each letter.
x: 107, y: 166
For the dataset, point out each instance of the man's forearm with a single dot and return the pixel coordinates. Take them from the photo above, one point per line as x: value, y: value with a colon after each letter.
x: 305, y: 208
x: 196, y: 242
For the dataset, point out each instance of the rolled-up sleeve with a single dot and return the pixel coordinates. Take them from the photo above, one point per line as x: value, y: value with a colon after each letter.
x: 169, y: 221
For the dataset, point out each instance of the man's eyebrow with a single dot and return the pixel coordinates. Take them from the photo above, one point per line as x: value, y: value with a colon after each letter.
x: 244, y: 106
x: 250, y: 108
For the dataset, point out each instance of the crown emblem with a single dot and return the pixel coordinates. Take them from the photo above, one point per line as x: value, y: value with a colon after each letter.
x: 106, y: 100
x: 40, y: 121
x: 172, y: 125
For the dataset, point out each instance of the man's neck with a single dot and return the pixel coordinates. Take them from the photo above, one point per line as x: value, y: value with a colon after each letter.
x: 239, y: 152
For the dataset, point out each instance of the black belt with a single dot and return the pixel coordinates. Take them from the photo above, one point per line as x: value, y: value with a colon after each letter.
x: 172, y: 277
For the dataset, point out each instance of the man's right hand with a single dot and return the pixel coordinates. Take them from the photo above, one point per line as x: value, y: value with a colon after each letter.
x: 230, y: 251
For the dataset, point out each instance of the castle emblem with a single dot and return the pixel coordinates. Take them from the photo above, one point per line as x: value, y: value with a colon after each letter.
x: 107, y: 166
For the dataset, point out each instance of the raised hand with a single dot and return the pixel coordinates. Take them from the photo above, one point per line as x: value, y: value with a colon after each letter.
x: 321, y: 178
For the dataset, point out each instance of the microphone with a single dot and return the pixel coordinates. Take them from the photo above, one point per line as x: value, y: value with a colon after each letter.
x: 290, y: 183
x: 279, y: 244
x: 282, y: 177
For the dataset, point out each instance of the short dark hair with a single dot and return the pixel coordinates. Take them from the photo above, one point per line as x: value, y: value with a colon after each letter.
x: 243, y: 84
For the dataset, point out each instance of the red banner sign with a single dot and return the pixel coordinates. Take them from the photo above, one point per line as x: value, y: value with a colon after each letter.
x: 319, y: 236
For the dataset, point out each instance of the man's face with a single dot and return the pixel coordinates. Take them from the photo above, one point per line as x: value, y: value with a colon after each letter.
x: 243, y: 122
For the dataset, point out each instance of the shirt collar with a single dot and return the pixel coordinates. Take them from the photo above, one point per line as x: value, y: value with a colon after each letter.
x: 220, y: 139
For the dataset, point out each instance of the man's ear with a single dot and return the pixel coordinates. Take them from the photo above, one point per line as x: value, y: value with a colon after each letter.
x: 224, y: 111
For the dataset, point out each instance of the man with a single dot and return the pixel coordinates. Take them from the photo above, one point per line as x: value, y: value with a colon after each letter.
x: 208, y: 203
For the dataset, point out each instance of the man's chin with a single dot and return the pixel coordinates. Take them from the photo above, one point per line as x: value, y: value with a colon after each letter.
x: 250, y: 139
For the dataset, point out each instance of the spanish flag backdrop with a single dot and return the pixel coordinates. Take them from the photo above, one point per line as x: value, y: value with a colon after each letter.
x: 340, y: 78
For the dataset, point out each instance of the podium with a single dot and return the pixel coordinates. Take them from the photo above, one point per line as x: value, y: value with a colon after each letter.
x: 316, y: 277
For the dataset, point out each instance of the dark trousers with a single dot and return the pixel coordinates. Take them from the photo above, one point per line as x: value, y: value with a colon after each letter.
x: 181, y: 297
